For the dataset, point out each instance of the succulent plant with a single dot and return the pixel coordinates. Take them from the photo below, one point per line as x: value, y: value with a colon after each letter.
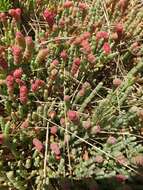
x: 70, y: 91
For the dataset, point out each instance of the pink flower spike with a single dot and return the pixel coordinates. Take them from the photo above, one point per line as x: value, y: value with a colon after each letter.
x: 38, y: 145
x: 53, y: 130
x: 106, y: 48
x: 49, y: 16
x: 102, y: 35
x: 16, y: 50
x: 10, y: 80
x: 64, y: 55
x: 72, y: 116
x: 82, y: 6
x: 18, y: 73
x: 68, y: 4
x: 55, y: 148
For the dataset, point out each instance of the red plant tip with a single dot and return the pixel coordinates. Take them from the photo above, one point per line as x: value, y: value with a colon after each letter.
x: 87, y: 124
x: 53, y: 130
x: 123, y: 4
x: 23, y: 94
x: 62, y: 122
x: 77, y: 61
x: 91, y: 58
x: 55, y: 148
x: 54, y: 63
x: 1, y: 138
x: 38, y: 144
x: 3, y: 63
x: 19, y: 82
x: 85, y: 35
x: 86, y: 48
x: 99, y: 159
x: 72, y: 116
x: 96, y: 129
x: 11, y: 12
x: 16, y: 50
x: 10, y: 81
x: 106, y: 48
x: 68, y: 4
x: 49, y: 16
x: 29, y: 41
x: 66, y: 98
x: 18, y: 12
x: 15, y: 13
x: 120, y: 178
x: 64, y: 55
x: 82, y: 6
x: 36, y: 84
x: 52, y: 114
x: 18, y: 73
x: 20, y: 40
x: 19, y: 35
x: 102, y: 35
x: 119, y: 28
x: 111, y: 140
x: 117, y: 82
x: 25, y: 124
x: 3, y: 17
x: 39, y: 82
x: 77, y: 41
x: 75, y: 66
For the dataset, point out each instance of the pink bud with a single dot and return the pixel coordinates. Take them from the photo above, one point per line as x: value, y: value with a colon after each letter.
x: 25, y: 124
x: 18, y: 73
x: 20, y: 40
x: 66, y: 98
x: 91, y: 58
x: 87, y: 124
x: 64, y: 55
x: 11, y: 12
x: 62, y: 122
x: 86, y: 35
x: 106, y: 48
x: 34, y: 87
x: 54, y: 63
x: 49, y: 16
x: 82, y: 6
x: 39, y: 82
x: 18, y: 12
x: 53, y: 130
x: 68, y: 4
x: 72, y: 116
x: 19, y: 82
x: 117, y: 82
x: 119, y: 28
x: 55, y: 148
x: 10, y: 80
x: 38, y: 145
x: 29, y: 42
x: 120, y: 178
x: 99, y: 159
x: 16, y: 50
x: 2, y: 17
x: 111, y: 140
x: 102, y: 35
x: 23, y: 94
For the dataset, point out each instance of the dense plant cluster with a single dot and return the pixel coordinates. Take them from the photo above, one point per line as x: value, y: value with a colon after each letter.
x: 71, y: 94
